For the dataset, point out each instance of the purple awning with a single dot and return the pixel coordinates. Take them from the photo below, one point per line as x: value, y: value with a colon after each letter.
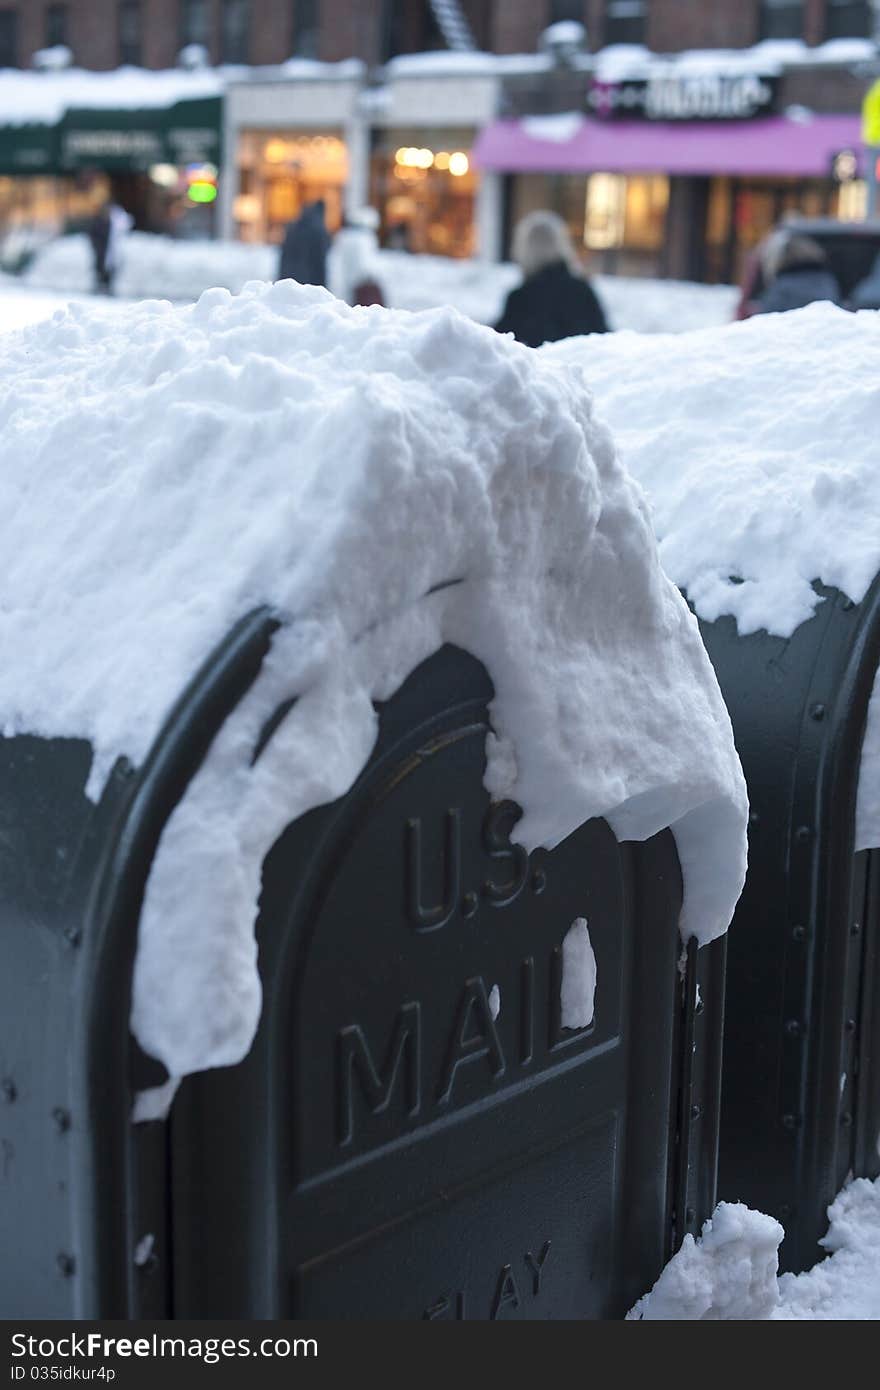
x: 774, y: 145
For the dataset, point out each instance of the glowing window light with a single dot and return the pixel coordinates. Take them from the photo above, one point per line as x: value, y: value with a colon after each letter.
x: 458, y: 164
x: 274, y: 151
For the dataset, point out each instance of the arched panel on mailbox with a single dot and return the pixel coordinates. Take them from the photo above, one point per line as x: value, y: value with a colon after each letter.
x: 416, y: 1133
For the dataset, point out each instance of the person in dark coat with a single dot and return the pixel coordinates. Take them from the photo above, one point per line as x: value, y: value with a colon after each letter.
x: 866, y: 294
x: 107, y: 231
x: 555, y: 300
x: 305, y: 247
x: 796, y: 273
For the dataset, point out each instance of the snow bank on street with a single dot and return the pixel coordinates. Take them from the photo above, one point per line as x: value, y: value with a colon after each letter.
x: 729, y: 1271
x: 19, y: 307
x: 153, y: 267
x: 757, y: 446
x: 162, y: 268
x: 386, y: 483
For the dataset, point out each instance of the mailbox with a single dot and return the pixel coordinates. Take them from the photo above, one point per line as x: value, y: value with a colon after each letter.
x: 801, y: 1070
x: 420, y: 1129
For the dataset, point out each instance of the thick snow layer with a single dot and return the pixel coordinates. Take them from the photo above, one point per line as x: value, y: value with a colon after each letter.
x: 577, y: 991
x: 45, y: 96
x: 618, y: 62
x: 165, y: 470
x: 757, y: 446
x: 729, y: 1271
x: 159, y: 267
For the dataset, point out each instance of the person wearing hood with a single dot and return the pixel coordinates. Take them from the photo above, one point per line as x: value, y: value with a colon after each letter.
x: 305, y: 247
x: 796, y: 273
x: 555, y: 299
x: 866, y: 294
x: 354, y: 259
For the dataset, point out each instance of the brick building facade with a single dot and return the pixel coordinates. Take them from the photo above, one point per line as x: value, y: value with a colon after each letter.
x: 103, y: 34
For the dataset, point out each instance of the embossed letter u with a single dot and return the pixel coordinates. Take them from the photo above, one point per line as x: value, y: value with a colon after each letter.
x: 431, y: 918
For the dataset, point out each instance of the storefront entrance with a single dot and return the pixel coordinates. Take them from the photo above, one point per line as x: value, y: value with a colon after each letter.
x: 280, y: 172
x: 424, y: 186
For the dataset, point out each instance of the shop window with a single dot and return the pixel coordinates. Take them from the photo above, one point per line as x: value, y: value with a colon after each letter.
x: 234, y: 31
x: 130, y: 32
x: 782, y: 19
x: 56, y: 25
x: 280, y: 172
x: 8, y: 38
x: 195, y: 22
x: 625, y: 21
x: 848, y: 19
x: 566, y: 9
x: 605, y: 211
x: 305, y: 28
x: 424, y: 185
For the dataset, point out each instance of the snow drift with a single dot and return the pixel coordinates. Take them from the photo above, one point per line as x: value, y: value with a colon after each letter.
x: 166, y: 470
x: 757, y: 446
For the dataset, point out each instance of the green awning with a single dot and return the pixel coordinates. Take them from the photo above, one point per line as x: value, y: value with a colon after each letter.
x: 121, y: 140
x: 28, y: 149
x: 193, y: 131
x: 118, y: 140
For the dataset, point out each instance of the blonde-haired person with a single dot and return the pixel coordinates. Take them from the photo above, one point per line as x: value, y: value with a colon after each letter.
x: 555, y: 300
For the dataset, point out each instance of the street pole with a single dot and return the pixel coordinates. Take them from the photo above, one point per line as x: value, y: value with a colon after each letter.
x: 869, y: 122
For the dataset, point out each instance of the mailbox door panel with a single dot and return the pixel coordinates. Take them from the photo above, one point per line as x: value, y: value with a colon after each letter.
x: 419, y: 1130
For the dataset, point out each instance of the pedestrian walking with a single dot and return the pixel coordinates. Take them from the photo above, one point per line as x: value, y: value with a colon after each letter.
x: 555, y: 299
x: 305, y: 247
x: 107, y: 233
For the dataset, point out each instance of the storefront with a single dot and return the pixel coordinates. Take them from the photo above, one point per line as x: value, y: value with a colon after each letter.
x: 404, y: 147
x: 281, y: 171
x: 677, y: 178
x: 423, y: 184
x: 160, y: 163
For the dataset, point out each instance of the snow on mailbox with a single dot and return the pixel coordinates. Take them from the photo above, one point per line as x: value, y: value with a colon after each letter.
x: 365, y: 795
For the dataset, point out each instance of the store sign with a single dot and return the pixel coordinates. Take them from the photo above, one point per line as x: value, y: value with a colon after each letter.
x: 192, y: 131
x: 193, y: 145
x: 679, y: 97
x: 139, y: 146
